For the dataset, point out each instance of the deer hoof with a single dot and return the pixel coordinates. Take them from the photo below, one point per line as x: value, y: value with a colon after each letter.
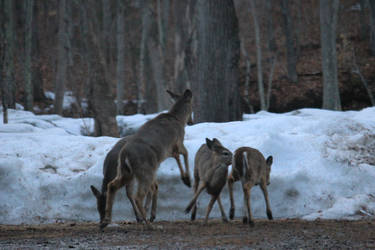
x: 152, y: 218
x: 251, y: 223
x: 186, y: 180
x: 231, y: 213
x: 225, y: 220
x: 104, y: 223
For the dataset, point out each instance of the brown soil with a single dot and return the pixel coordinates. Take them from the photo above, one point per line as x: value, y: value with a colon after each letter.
x: 277, y: 234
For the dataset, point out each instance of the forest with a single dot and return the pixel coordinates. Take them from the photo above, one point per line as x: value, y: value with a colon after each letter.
x: 118, y: 57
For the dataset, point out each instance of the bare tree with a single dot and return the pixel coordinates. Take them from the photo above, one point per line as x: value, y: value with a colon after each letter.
x: 29, y: 4
x: 120, y: 56
x: 328, y: 22
x: 372, y: 26
x: 290, y: 48
x: 218, y: 51
x: 259, y: 56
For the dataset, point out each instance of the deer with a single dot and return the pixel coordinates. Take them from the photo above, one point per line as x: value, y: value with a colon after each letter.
x: 210, y: 172
x: 109, y: 173
x: 251, y: 168
x: 140, y: 157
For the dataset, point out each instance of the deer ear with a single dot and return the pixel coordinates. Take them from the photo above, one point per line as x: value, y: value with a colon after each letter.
x: 269, y: 160
x: 209, y: 143
x: 95, y: 191
x: 188, y: 93
x: 216, y: 141
x: 173, y: 95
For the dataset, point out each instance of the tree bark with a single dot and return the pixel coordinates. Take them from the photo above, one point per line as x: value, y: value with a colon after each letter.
x: 372, y: 26
x: 29, y: 4
x: 259, y: 57
x: 215, y: 90
x: 120, y: 56
x: 62, y: 57
x: 328, y: 22
x: 9, y: 86
x: 289, y: 42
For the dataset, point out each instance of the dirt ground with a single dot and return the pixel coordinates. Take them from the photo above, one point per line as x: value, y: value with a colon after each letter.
x: 277, y: 234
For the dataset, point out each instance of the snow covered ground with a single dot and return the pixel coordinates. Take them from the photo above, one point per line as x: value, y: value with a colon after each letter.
x: 324, y: 166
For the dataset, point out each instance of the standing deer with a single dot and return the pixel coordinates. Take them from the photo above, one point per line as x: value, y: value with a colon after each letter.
x: 252, y: 169
x: 141, y: 156
x: 109, y: 173
x: 210, y: 173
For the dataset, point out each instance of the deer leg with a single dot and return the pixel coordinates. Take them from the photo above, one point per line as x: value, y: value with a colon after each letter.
x: 201, y: 186
x: 209, y: 208
x: 223, y: 216
x: 154, y: 201
x: 185, y: 176
x: 129, y: 194
x: 143, y: 188
x: 230, y: 189
x: 194, y: 211
x: 112, y: 188
x: 263, y: 186
x: 248, y: 218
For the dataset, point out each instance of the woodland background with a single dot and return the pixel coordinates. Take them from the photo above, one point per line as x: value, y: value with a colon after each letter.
x: 237, y: 56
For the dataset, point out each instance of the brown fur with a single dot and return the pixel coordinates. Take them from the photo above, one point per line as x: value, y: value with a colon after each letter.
x: 210, y: 173
x: 250, y: 167
x: 140, y: 157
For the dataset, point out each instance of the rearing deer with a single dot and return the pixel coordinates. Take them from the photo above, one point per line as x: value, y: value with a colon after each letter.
x: 252, y: 169
x: 210, y: 173
x: 141, y: 156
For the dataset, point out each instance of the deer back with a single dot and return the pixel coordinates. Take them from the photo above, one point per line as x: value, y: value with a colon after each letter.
x: 211, y: 165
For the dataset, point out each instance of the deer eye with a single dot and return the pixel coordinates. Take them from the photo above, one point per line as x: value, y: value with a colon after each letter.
x: 226, y: 153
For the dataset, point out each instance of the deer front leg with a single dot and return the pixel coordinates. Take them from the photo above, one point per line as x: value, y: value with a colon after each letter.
x: 185, y: 177
x: 263, y: 186
x: 194, y: 211
x: 223, y: 215
x: 209, y: 207
x: 230, y: 189
x: 112, y: 188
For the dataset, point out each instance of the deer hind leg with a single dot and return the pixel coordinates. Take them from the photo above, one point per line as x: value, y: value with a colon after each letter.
x: 155, y: 190
x: 248, y: 217
x: 112, y: 188
x: 143, y: 188
x: 223, y: 215
x: 263, y: 186
x: 129, y: 194
x: 209, y: 207
x: 200, y: 188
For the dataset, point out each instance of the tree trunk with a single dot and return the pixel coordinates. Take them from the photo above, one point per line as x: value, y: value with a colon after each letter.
x: 372, y: 26
x: 38, y: 90
x: 9, y: 85
x: 29, y: 4
x: 259, y: 57
x: 3, y: 87
x: 146, y: 23
x: 120, y: 56
x: 328, y: 22
x: 215, y: 90
x: 363, y: 20
x: 62, y: 57
x: 289, y: 42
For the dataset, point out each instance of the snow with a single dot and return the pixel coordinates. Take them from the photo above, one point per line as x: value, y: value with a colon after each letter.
x: 324, y: 166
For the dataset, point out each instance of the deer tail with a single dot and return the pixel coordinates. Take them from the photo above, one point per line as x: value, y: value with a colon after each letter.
x: 123, y: 163
x: 245, y: 164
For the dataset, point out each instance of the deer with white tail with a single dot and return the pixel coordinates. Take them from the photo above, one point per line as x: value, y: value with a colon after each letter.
x: 251, y: 168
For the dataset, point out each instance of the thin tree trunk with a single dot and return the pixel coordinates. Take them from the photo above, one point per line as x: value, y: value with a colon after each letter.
x: 328, y: 22
x: 372, y: 26
x: 62, y: 57
x: 29, y: 4
x: 291, y: 51
x: 9, y: 86
x: 247, y: 77
x: 259, y: 56
x: 120, y: 56
x: 363, y: 20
